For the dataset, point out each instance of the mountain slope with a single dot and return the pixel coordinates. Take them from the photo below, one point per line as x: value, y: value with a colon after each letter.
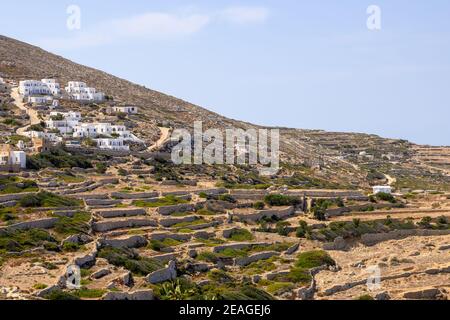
x: 336, y: 154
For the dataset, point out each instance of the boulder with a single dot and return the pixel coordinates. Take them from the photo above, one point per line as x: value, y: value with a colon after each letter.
x: 163, y: 275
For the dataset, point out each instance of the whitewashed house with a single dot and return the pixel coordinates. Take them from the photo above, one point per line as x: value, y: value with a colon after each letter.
x: 49, y: 136
x: 125, y: 109
x: 53, y: 86
x: 35, y: 87
x: 382, y: 189
x: 93, y: 130
x: 71, y: 115
x: 63, y: 122
x: 81, y: 92
x: 112, y: 144
x: 11, y: 160
x: 40, y: 100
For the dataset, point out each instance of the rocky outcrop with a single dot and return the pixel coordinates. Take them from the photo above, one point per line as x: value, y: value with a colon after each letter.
x: 168, y: 210
x: 47, y: 223
x: 279, y: 213
x: 105, y: 226
x: 293, y: 249
x: 167, y: 235
x: 426, y: 294
x: 372, y: 239
x: 339, y: 244
x: 86, y: 261
x: 245, y: 261
x: 163, y: 275
x: 116, y: 213
x: 170, y: 222
x: 100, y: 274
x: 134, y: 196
x: 240, y: 245
x: 130, y: 242
x: 78, y: 239
x: 141, y: 295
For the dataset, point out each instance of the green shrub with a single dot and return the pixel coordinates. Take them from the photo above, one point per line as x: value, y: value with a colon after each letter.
x: 259, y: 205
x: 47, y: 200
x: 314, y: 259
x: 278, y: 200
x: 130, y: 260
x: 241, y: 235
x: 386, y: 197
x: 57, y: 158
x: 61, y: 295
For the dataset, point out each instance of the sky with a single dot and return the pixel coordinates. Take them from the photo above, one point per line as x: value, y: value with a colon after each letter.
x: 294, y: 63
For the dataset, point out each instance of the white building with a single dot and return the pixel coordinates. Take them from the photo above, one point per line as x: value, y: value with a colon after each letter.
x: 10, y: 158
x: 49, y: 136
x: 382, y: 189
x: 125, y: 109
x: 81, y: 92
x: 53, y: 86
x: 35, y: 87
x: 112, y: 144
x: 71, y: 115
x: 40, y: 99
x: 63, y: 122
x: 93, y: 130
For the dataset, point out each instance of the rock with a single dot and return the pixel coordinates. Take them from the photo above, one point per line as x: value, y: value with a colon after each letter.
x: 79, y: 239
x: 193, y: 253
x: 444, y: 248
x: 383, y: 296
x: 86, y: 261
x: 100, y: 273
x: 162, y: 275
x: 426, y: 294
x: 256, y: 278
x: 44, y: 292
x: 142, y: 295
x: 127, y: 279
x: 293, y: 249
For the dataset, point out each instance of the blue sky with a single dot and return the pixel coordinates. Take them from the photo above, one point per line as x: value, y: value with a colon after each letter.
x: 295, y: 63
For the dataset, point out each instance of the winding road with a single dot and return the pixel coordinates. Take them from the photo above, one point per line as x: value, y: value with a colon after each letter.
x: 165, y: 135
x: 34, y: 117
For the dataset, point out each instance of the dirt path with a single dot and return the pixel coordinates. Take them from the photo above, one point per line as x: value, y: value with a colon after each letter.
x: 391, y: 180
x: 165, y: 135
x: 34, y: 117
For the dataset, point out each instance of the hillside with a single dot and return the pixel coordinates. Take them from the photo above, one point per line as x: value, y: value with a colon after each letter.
x: 344, y: 158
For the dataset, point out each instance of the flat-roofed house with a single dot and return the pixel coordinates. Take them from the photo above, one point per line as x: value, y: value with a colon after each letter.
x: 12, y: 160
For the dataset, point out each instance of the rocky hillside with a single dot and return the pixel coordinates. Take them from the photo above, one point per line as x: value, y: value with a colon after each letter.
x: 348, y: 159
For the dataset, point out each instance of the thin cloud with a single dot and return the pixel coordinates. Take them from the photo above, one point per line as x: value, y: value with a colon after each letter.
x: 153, y: 26
x: 245, y: 15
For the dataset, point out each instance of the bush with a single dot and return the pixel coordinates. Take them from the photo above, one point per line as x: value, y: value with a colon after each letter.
x: 278, y: 200
x: 101, y: 168
x: 57, y: 158
x: 241, y: 235
x: 259, y: 205
x: 386, y: 197
x: 130, y: 260
x: 314, y: 259
x: 46, y: 200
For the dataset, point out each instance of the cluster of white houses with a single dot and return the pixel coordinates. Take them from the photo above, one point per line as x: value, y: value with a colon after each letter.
x: 45, y: 90
x: 106, y: 135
